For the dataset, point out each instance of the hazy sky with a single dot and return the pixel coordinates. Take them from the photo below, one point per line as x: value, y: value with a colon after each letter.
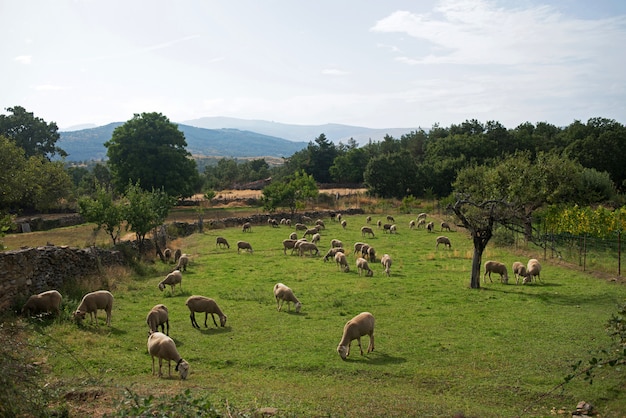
x: 373, y: 63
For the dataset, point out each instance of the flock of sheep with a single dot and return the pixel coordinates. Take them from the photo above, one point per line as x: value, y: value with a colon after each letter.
x: 161, y: 346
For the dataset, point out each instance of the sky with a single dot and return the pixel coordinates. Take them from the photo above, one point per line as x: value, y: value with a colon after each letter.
x: 377, y: 64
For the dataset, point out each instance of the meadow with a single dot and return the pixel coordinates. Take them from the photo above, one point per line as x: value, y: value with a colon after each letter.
x: 441, y: 348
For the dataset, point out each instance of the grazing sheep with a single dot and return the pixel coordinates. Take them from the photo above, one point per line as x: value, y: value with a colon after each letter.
x: 379, y: 223
x: 288, y: 244
x: 443, y: 240
x: 172, y: 279
x: 361, y: 264
x: 364, y: 249
x: 316, y: 238
x: 100, y: 299
x: 221, y: 241
x: 390, y: 219
x: 393, y: 229
x: 519, y: 270
x: 167, y: 254
x: 371, y: 254
x: 344, y: 224
x: 293, y: 236
x: 342, y: 261
x: 357, y: 247
x: 306, y: 219
x: 283, y: 221
x: 386, y: 262
x: 301, y: 227
x: 308, y: 246
x: 206, y: 305
x: 177, y: 255
x: 182, y: 262
x: 283, y: 294
x: 272, y: 222
x: 367, y: 230
x: 164, y: 348
x: 44, y: 302
x: 496, y: 267
x: 420, y: 223
x: 421, y: 216
x: 386, y: 227
x: 320, y: 223
x: 368, y: 219
x: 360, y: 325
x: 311, y: 232
x: 445, y: 225
x: 335, y: 243
x: 338, y: 217
x: 158, y: 316
x: 533, y: 268
x: 411, y: 224
x: 331, y: 253
x: 430, y: 226
x: 247, y: 227
x: 244, y: 245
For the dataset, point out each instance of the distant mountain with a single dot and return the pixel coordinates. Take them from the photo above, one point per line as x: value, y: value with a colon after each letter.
x: 88, y: 144
x: 334, y: 132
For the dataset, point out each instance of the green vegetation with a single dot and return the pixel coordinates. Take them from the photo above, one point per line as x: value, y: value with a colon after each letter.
x: 441, y: 347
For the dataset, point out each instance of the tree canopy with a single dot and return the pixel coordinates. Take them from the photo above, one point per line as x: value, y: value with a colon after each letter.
x: 34, y: 135
x: 291, y: 193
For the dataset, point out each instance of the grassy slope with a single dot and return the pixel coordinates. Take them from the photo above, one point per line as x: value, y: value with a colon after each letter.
x: 440, y: 347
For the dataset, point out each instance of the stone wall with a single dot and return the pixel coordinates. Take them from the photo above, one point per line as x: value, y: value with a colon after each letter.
x: 33, y: 270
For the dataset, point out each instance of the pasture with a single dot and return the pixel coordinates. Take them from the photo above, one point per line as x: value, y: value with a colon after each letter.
x: 441, y: 348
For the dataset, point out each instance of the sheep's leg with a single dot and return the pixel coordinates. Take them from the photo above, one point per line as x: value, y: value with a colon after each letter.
x: 192, y: 316
x: 213, y: 316
x: 160, y: 364
x: 360, y: 347
x: 206, y: 316
x: 109, y: 317
x: 169, y: 368
x: 152, y: 365
x: 370, y: 347
x: 168, y: 327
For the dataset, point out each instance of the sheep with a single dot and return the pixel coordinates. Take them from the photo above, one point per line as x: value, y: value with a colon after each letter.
x: 206, y: 305
x: 421, y: 216
x: 283, y: 221
x: 331, y: 253
x: 244, y: 245
x: 360, y: 325
x: 342, y: 261
x: 172, y: 279
x: 288, y: 244
x: 378, y: 223
x: 361, y: 264
x: 293, y: 236
x: 335, y: 243
x: 496, y: 267
x: 316, y: 238
x: 338, y: 217
x: 357, y: 247
x: 221, y: 241
x: 301, y: 227
x: 306, y: 219
x: 158, y: 316
x: 430, y: 226
x: 100, y: 299
x: 272, y: 222
x: 386, y: 262
x: 182, y: 262
x: 443, y: 240
x: 363, y: 250
x: 420, y: 223
x: 371, y: 254
x: 445, y: 225
x: 367, y: 230
x: 368, y: 219
x: 44, y: 302
x: 177, y: 255
x: 164, y: 348
x: 283, y: 294
x: 308, y: 246
x: 386, y: 227
x: 393, y: 229
x: 390, y: 219
x: 344, y: 224
x: 411, y: 224
x: 533, y: 268
x: 519, y: 270
x: 311, y: 232
x: 247, y: 227
x: 320, y: 223
x: 167, y: 254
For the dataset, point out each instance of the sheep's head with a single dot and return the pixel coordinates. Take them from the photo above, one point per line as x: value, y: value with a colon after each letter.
x: 343, y: 351
x: 223, y: 320
x: 298, y: 307
x: 182, y: 368
x: 161, y: 286
x: 79, y: 315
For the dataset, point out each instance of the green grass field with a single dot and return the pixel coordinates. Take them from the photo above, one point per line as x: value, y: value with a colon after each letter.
x: 441, y: 348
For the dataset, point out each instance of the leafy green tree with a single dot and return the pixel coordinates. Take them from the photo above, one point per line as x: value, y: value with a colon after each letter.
x: 150, y: 150
x: 48, y: 183
x: 13, y: 184
x: 321, y: 155
x: 292, y: 194
x: 104, y: 211
x: 391, y: 175
x: 32, y: 134
x: 349, y: 166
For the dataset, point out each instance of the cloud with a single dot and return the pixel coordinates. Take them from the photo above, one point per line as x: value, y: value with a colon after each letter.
x: 23, y: 59
x: 334, y: 71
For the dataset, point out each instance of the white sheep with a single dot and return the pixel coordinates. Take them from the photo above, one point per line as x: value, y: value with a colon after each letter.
x: 342, y: 262
x: 370, y: 254
x: 308, y: 246
x: 301, y: 227
x: 344, y: 224
x: 496, y: 267
x: 167, y: 254
x: 443, y: 240
x: 360, y: 325
x: 421, y: 216
x: 519, y: 270
x: 357, y: 247
x: 283, y: 294
x: 177, y: 254
x: 311, y: 231
x: 100, y: 299
x: 445, y: 225
x: 393, y: 229
x: 361, y: 264
x: 272, y: 222
x: 331, y: 253
x: 367, y: 230
x: 288, y: 244
x: 316, y: 238
x: 44, y: 302
x: 158, y: 316
x: 306, y: 219
x: 244, y: 245
x: 411, y: 224
x: 206, y: 305
x: 293, y: 236
x: 172, y: 279
x: 335, y: 243
x: 378, y: 223
x: 320, y: 223
x: 246, y: 227
x: 182, y: 263
x: 222, y: 242
x: 430, y: 226
x: 386, y: 262
x: 533, y: 270
x: 164, y: 348
x: 386, y: 227
x: 368, y: 219
x: 390, y: 219
x: 420, y: 223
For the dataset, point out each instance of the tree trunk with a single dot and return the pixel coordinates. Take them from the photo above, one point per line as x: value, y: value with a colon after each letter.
x: 477, y: 258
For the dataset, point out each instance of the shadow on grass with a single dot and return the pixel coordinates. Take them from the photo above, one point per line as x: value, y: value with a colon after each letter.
x: 212, y: 330
x: 553, y: 297
x: 375, y: 358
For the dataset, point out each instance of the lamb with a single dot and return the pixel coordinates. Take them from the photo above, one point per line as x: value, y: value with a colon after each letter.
x: 44, y: 302
x: 221, y: 241
x: 360, y: 325
x: 519, y: 270
x: 244, y: 245
x: 164, y: 348
x: 247, y: 227
x: 316, y: 238
x: 308, y: 246
x: 367, y: 230
x: 288, y: 244
x: 390, y: 219
x: 335, y: 243
x: 430, y: 226
x: 533, y: 268
x: 496, y: 267
x: 206, y: 305
x: 100, y: 299
x: 342, y: 261
x: 344, y: 224
x: 445, y: 225
x: 283, y: 294
x: 443, y: 240
x: 386, y: 262
x: 172, y: 279
x: 158, y: 316
x: 182, y: 262
x: 361, y: 264
x: 331, y: 253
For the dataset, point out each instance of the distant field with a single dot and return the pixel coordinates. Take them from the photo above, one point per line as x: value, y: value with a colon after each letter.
x: 441, y: 348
